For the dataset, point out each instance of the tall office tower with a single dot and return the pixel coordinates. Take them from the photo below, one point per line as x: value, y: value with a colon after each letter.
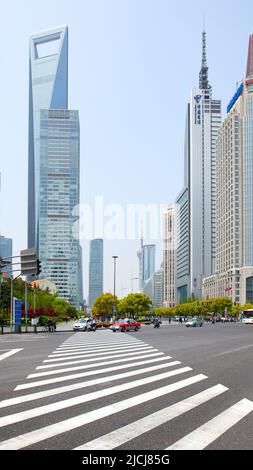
x: 96, y: 266
x: 154, y: 288
x: 140, y: 254
x: 234, y: 156
x: 148, y: 263
x: 197, y: 200
x: 53, y: 166
x: 5, y: 252
x: 169, y: 255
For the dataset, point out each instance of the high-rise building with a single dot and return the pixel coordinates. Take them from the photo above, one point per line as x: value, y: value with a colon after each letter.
x: 5, y: 252
x: 53, y: 167
x: 96, y: 266
x: 154, y: 288
x: 196, y: 212
x: 234, y: 155
x: 169, y: 255
x: 146, y: 255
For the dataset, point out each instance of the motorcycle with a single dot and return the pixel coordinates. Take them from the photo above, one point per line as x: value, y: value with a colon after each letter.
x: 156, y: 324
x: 91, y: 327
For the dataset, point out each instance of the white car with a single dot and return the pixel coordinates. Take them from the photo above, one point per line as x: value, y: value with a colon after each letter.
x: 80, y: 325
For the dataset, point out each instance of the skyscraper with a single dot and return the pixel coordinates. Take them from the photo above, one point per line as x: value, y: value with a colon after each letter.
x: 147, y: 260
x: 96, y: 266
x: 53, y: 167
x: 197, y: 200
x: 234, y: 251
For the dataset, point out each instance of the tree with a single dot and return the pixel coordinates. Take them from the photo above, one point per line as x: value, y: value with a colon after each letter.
x: 104, y: 304
x: 134, y: 304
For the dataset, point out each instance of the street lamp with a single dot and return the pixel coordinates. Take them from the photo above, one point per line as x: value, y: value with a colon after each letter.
x: 133, y: 279
x: 114, y: 286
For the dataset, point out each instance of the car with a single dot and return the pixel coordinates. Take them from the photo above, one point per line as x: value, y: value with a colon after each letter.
x: 125, y: 324
x: 195, y: 321
x: 102, y: 324
x: 80, y: 325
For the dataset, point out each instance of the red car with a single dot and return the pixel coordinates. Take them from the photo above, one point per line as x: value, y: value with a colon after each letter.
x: 125, y: 324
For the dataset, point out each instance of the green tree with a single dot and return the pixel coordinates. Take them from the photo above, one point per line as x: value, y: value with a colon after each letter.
x: 104, y: 305
x: 134, y: 304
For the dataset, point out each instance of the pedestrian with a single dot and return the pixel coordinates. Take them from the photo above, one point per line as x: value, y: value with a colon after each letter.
x: 49, y: 325
x: 169, y: 320
x: 53, y: 326
x: 180, y: 320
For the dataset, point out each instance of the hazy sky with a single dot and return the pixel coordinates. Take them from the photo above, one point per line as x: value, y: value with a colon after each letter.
x: 131, y: 66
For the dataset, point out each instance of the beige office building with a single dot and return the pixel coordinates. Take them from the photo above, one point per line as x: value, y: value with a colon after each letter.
x: 234, y: 198
x: 169, y: 255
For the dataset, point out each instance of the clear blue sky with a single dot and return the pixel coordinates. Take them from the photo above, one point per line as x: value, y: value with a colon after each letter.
x: 131, y: 66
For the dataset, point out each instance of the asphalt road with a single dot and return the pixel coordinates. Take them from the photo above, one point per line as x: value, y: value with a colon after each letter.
x: 173, y: 387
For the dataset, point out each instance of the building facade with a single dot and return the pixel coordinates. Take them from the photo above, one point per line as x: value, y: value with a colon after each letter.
x: 154, y: 288
x: 234, y: 155
x: 197, y: 209
x: 169, y: 255
x: 53, y: 165
x: 96, y: 267
x: 5, y: 252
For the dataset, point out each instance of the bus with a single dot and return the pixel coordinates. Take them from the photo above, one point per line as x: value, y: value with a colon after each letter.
x: 247, y: 316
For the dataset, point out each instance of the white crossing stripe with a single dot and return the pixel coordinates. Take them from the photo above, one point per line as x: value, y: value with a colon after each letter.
x: 60, y: 405
x: 82, y: 361
x: 94, y: 347
x: 61, y: 427
x: 99, y: 351
x: 9, y: 353
x: 93, y: 358
x: 84, y: 374
x: 210, y: 431
x: 60, y: 371
x: 127, y: 433
x: 77, y: 386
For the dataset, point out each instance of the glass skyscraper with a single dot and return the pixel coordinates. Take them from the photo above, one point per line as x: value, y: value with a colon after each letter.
x: 95, y: 270
x: 5, y: 251
x: 53, y: 170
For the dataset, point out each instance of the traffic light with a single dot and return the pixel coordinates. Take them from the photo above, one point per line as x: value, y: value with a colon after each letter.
x: 38, y: 267
x: 28, y: 262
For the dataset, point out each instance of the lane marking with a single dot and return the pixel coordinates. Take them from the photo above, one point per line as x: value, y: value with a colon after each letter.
x: 9, y: 353
x: 61, y: 427
x: 211, y: 430
x: 60, y: 390
x: 233, y: 350
x: 127, y: 433
x: 83, y: 374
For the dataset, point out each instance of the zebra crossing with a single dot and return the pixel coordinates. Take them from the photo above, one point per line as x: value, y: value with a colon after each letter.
x: 94, y: 379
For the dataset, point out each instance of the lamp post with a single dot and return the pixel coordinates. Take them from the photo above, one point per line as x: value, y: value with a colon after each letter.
x: 133, y: 279
x: 114, y: 286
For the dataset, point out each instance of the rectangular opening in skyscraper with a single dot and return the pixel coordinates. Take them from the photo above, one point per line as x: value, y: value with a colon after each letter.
x: 47, y: 46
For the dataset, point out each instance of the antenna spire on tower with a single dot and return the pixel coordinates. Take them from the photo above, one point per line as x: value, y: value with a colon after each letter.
x: 203, y: 75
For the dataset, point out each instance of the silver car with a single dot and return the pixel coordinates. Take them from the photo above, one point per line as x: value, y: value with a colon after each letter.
x: 80, y: 325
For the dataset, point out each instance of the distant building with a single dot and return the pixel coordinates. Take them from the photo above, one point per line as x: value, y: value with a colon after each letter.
x: 44, y: 284
x: 146, y: 255
x: 154, y: 288
x: 96, y: 267
x: 5, y: 251
x: 169, y: 255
